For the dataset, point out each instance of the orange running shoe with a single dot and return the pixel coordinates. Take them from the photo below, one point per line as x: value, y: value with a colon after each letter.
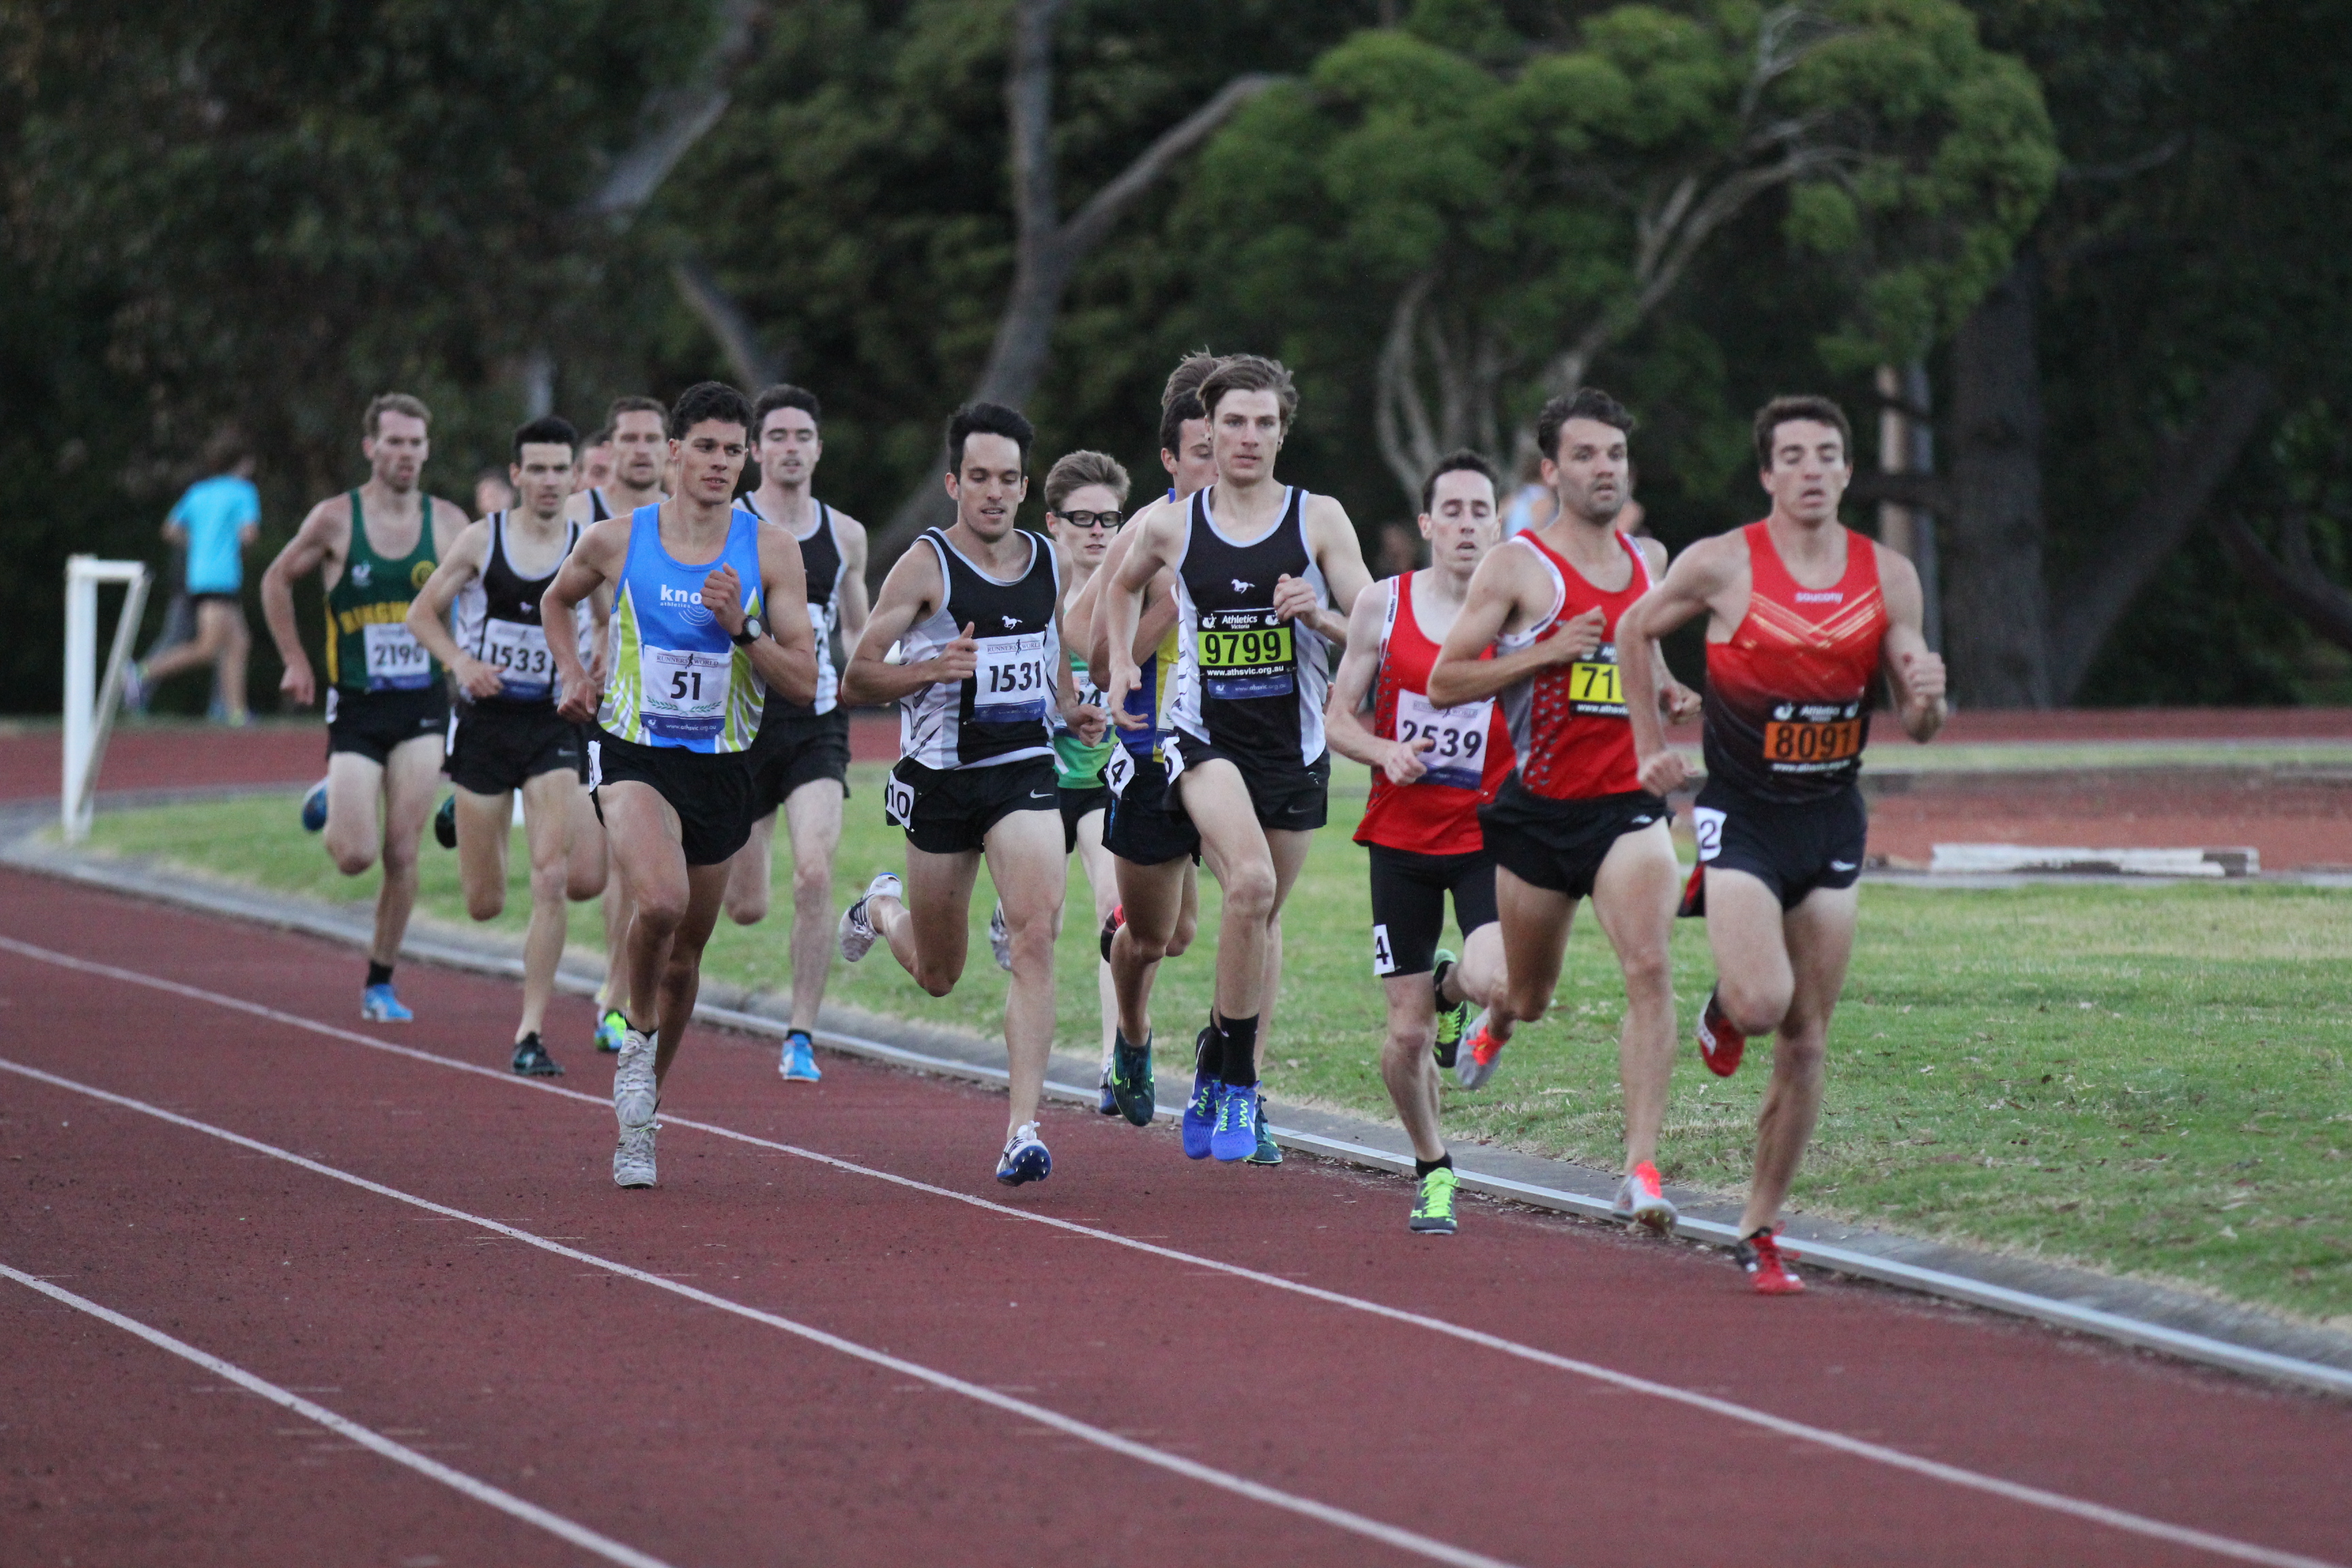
x: 1720, y: 1046
x: 1770, y: 1273
x: 1641, y: 1201
x: 1476, y: 1063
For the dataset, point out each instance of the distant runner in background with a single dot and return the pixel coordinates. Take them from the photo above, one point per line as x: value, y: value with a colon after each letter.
x: 492, y: 492
x: 373, y: 547
x: 800, y: 759
x: 215, y: 520
x: 1804, y: 616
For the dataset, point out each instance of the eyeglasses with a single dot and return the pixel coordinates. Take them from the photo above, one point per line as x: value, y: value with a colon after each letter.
x: 1107, y: 520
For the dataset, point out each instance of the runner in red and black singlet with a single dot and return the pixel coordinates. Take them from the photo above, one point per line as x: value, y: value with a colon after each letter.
x: 1539, y: 631
x: 1432, y: 768
x: 1804, y: 617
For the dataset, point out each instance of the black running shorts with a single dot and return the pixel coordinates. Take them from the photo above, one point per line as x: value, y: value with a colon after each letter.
x: 796, y: 749
x: 371, y: 724
x: 950, y: 811
x: 1558, y: 845
x: 1076, y: 803
x: 711, y: 791
x: 1409, y: 904
x: 1791, y: 849
x: 494, y: 750
x: 1285, y: 793
x: 1141, y: 829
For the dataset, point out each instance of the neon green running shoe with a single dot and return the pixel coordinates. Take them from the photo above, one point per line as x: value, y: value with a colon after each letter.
x: 609, y: 1030
x: 1433, y: 1214
x: 1454, y: 1020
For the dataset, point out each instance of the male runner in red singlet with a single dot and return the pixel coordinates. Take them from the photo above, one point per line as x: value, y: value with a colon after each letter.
x: 1574, y: 820
x: 1802, y: 618
x: 1432, y: 769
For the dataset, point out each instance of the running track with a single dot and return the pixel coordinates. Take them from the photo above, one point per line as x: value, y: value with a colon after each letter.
x: 879, y: 1356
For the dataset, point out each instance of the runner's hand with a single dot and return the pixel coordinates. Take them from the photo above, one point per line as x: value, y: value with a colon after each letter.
x: 1663, y: 773
x: 1124, y: 679
x: 1923, y: 680
x: 722, y: 596
x: 1680, y: 703
x: 960, y: 659
x: 1087, y: 721
x: 478, y: 679
x: 1403, y: 763
x: 1576, y: 638
x: 298, y: 683
x: 1295, y: 597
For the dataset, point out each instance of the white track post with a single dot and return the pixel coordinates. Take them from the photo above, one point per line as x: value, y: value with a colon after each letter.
x: 89, y: 714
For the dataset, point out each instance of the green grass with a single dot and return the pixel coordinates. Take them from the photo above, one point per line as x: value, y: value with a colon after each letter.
x: 2150, y: 1081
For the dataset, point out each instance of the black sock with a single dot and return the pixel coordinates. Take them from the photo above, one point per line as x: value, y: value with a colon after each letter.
x: 379, y: 973
x: 1241, y: 1052
x: 1437, y: 982
x: 1423, y: 1167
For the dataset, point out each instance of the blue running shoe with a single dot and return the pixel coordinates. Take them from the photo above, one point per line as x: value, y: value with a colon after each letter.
x: 1025, y: 1158
x: 1268, y: 1151
x: 445, y: 824
x: 1201, y: 1110
x: 379, y: 1005
x: 314, y: 807
x: 1131, y: 1092
x: 1109, y: 1104
x: 1235, y: 1135
x: 799, y: 1063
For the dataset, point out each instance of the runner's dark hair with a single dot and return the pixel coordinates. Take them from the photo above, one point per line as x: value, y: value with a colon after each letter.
x: 1787, y: 408
x: 1584, y: 402
x: 547, y: 430
x: 783, y: 394
x: 1462, y: 460
x: 1180, y: 400
x: 987, y: 419
x: 1251, y: 372
x: 708, y: 400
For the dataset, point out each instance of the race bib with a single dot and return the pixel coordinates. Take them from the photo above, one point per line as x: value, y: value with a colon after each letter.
x: 518, y: 653
x: 685, y: 695
x: 396, y: 661
x: 1383, y: 954
x: 897, y: 801
x: 1119, y: 770
x: 1812, y: 737
x: 1457, y: 738
x: 1013, y: 680
x: 1594, y: 685
x: 1706, y: 827
x: 1246, y: 654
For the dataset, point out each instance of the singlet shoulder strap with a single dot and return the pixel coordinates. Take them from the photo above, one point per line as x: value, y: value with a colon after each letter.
x: 359, y: 525
x: 1640, y: 560
x: 1399, y: 587
x: 942, y: 549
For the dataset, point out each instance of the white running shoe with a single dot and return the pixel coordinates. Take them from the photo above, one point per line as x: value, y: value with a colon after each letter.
x: 1640, y: 1202
x: 1026, y: 1158
x: 633, y: 1157
x: 635, y: 1093
x: 1000, y: 937
x: 857, y: 931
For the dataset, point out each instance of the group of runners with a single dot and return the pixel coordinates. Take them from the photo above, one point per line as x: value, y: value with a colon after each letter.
x: 649, y: 663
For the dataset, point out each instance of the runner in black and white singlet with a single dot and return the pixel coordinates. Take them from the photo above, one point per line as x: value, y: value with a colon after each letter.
x: 975, y: 611
x: 1266, y: 576
x: 800, y: 760
x: 373, y: 548
x: 505, y: 735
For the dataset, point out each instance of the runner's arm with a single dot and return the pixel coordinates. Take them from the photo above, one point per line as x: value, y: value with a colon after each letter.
x: 1351, y: 688
x: 1085, y: 720
x: 1461, y: 674
x: 1680, y: 703
x: 594, y: 562
x: 913, y: 586
x: 1915, y: 672
x: 1122, y: 609
x: 1705, y: 570
x: 428, y: 613
x: 855, y: 605
x: 785, y: 659
x: 1333, y: 546
x: 322, y: 539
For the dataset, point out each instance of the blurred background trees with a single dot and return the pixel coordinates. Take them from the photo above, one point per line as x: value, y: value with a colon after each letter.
x: 2106, y: 233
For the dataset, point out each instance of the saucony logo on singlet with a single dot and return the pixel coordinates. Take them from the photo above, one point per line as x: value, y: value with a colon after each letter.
x: 1807, y: 597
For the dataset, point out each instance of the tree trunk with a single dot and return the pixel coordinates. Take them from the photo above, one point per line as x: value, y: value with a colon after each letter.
x: 1996, y: 604
x: 2296, y: 581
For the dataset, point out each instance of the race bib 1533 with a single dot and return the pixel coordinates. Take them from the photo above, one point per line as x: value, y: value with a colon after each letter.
x: 518, y: 653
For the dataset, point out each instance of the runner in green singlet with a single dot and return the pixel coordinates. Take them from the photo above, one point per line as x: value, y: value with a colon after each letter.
x: 387, y: 707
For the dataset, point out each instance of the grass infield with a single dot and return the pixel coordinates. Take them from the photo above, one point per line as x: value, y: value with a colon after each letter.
x: 2149, y: 1081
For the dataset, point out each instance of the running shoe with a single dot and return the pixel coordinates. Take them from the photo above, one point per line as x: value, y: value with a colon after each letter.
x: 379, y: 1005
x: 1478, y: 1065
x: 856, y: 930
x: 1132, y: 1090
x: 1110, y: 927
x: 798, y: 1063
x: 136, y: 692
x: 1769, y: 1272
x: 635, y: 1093
x: 633, y: 1157
x: 1201, y: 1110
x: 1025, y: 1157
x: 1235, y: 1137
x: 610, y: 1028
x: 1107, y: 1103
x: 1640, y: 1200
x: 1432, y: 1211
x: 1452, y: 1018
x: 532, y: 1060
x: 1000, y: 937
x: 1720, y: 1046
x: 1268, y: 1151
x: 445, y: 824
x: 314, y: 807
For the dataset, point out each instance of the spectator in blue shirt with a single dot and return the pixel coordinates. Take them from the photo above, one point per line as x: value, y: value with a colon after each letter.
x: 216, y: 519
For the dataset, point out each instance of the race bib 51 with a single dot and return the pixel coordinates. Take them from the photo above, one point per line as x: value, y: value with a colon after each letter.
x: 685, y: 695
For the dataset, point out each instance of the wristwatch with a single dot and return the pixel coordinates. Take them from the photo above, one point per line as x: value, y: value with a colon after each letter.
x: 753, y: 630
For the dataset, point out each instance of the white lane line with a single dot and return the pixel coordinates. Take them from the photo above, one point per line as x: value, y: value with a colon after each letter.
x: 555, y: 1524
x: 1372, y: 1529
x: 1896, y: 1458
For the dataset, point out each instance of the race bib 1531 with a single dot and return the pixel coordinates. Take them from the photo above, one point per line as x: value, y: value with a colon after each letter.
x: 1013, y: 680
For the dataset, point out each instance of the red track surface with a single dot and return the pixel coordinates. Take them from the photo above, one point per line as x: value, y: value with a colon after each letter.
x: 701, y: 1437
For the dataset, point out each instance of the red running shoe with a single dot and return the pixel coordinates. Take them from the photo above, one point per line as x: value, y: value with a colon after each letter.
x: 1720, y: 1046
x: 1768, y: 1272
x: 1110, y: 927
x: 1476, y: 1061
